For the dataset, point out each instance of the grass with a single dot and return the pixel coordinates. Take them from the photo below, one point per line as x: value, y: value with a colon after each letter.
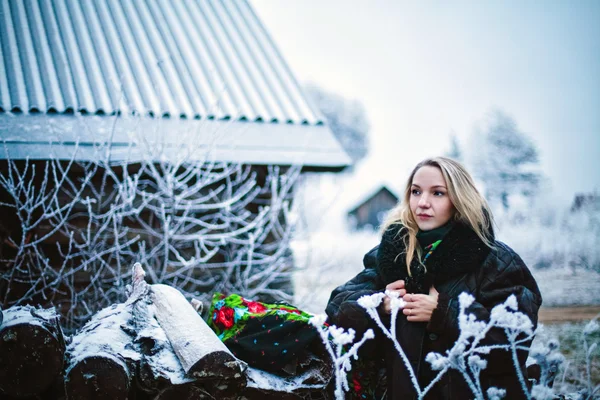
x: 572, y: 375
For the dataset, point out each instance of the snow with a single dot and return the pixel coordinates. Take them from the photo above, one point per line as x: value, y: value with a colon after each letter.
x: 266, y: 381
x: 371, y: 301
x: 162, y: 359
x: 37, y: 136
x: 324, y: 261
x: 23, y: 315
x: 103, y: 336
x: 566, y: 287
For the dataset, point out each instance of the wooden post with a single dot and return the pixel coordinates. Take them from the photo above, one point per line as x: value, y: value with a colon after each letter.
x: 31, y: 350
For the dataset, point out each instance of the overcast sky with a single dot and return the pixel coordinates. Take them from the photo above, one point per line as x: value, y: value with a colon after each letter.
x: 424, y: 69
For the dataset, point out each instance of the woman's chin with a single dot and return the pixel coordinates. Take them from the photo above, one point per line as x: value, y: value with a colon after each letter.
x: 428, y: 225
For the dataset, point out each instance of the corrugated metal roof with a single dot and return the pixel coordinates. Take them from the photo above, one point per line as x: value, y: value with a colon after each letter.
x: 180, y: 59
x: 134, y: 139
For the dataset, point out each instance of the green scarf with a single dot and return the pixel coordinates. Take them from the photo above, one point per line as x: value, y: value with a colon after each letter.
x: 429, y: 240
x: 426, y: 238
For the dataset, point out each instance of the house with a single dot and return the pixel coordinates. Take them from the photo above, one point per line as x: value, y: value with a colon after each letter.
x: 179, y: 121
x: 370, y: 212
x: 66, y: 68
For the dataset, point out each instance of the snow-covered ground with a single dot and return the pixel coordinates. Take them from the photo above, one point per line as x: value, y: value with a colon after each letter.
x: 564, y: 287
x: 561, y: 249
x: 325, y: 261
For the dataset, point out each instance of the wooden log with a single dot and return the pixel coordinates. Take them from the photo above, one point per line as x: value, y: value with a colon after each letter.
x: 98, y: 377
x: 200, y: 351
x: 310, y: 383
x: 102, y: 357
x: 256, y: 394
x: 158, y: 367
x: 32, y: 351
x: 188, y: 391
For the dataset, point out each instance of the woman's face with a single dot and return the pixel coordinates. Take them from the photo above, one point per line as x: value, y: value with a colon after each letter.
x: 429, y: 201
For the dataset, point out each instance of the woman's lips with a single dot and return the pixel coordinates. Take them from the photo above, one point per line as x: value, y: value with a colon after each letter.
x: 424, y: 217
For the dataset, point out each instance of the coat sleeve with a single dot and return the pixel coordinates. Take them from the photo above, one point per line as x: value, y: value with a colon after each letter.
x: 342, y: 308
x: 504, y: 274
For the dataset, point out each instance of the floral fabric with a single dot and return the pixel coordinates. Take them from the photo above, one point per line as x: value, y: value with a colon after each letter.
x: 278, y: 338
x: 274, y: 337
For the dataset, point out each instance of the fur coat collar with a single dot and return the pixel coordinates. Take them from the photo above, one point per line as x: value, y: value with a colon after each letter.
x: 460, y: 252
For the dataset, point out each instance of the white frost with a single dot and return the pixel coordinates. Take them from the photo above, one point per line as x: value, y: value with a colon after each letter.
x: 263, y: 380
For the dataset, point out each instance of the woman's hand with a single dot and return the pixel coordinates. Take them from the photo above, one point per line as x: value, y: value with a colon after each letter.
x: 396, y: 286
x: 419, y: 307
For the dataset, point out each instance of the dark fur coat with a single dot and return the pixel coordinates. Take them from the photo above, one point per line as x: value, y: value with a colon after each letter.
x: 460, y: 263
x: 461, y: 251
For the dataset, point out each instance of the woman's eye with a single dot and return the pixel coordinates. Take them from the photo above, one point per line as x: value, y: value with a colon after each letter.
x: 438, y: 193
x: 415, y: 192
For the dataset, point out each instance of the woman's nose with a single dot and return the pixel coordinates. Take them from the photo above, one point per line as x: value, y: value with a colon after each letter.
x: 424, y: 201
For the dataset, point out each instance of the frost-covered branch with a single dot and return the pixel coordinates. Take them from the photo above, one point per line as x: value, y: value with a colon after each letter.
x: 590, y: 328
x: 335, y: 340
x: 196, y: 224
x: 467, y: 354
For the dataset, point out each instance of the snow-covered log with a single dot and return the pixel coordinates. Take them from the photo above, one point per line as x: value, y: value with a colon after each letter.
x: 312, y: 383
x: 187, y: 391
x: 31, y: 351
x: 101, y: 360
x: 199, y: 350
x: 101, y: 356
x: 159, y: 368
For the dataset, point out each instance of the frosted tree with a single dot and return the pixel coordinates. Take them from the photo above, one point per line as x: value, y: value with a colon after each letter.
x: 454, y: 152
x: 41, y: 257
x: 347, y: 119
x: 505, y: 159
x: 73, y: 228
x: 591, y: 389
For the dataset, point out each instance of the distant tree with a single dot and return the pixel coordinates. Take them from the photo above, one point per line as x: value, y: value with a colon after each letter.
x: 455, y: 151
x: 346, y: 118
x: 505, y: 159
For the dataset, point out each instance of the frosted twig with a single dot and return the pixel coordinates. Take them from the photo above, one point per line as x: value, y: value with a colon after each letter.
x: 198, y: 224
x: 335, y: 339
x: 465, y: 355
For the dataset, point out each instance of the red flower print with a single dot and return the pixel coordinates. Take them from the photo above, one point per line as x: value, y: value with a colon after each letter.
x: 255, y: 307
x: 356, y: 384
x: 225, y: 317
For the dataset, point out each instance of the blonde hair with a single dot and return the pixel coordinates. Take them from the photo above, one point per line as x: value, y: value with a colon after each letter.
x: 470, y: 208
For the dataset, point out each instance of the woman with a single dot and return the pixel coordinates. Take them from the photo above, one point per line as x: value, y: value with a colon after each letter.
x: 437, y: 243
